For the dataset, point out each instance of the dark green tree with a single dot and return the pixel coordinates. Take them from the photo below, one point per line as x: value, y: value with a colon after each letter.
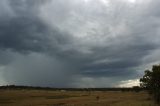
x: 151, y: 81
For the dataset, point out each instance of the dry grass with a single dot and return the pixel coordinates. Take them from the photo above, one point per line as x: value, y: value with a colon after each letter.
x: 75, y: 98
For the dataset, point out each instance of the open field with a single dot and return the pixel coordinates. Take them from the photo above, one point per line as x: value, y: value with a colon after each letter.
x: 73, y: 98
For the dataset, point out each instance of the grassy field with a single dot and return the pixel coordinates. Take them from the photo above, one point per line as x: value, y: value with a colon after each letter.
x: 73, y: 98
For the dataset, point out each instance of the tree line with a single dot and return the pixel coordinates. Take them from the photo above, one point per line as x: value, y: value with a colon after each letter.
x: 10, y: 87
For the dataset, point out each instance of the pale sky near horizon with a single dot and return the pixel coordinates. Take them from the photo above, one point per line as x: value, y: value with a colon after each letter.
x: 78, y: 43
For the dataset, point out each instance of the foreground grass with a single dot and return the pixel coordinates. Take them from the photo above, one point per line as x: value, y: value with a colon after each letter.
x: 73, y: 98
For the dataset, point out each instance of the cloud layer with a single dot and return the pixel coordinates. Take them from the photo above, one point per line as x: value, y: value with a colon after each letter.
x: 77, y: 43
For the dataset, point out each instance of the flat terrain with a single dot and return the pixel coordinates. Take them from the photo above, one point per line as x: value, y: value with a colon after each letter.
x: 73, y: 98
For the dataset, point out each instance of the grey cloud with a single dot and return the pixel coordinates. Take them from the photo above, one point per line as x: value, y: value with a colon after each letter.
x: 21, y: 34
x: 63, y: 43
x: 37, y: 69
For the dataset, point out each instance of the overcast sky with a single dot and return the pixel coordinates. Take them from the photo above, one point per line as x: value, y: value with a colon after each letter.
x: 78, y: 43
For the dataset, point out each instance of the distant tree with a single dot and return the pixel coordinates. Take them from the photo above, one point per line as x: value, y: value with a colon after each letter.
x: 151, y: 81
x: 136, y: 88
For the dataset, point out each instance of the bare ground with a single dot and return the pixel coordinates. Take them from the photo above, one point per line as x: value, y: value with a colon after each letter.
x: 73, y: 98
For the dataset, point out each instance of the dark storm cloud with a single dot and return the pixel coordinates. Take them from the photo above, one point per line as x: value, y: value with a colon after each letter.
x: 77, y: 43
x: 25, y: 31
x: 21, y: 30
x: 22, y: 34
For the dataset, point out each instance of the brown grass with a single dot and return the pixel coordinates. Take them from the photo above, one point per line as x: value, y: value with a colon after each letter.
x: 73, y: 98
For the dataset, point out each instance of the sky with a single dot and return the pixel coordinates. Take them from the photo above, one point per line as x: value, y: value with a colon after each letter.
x: 78, y: 43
